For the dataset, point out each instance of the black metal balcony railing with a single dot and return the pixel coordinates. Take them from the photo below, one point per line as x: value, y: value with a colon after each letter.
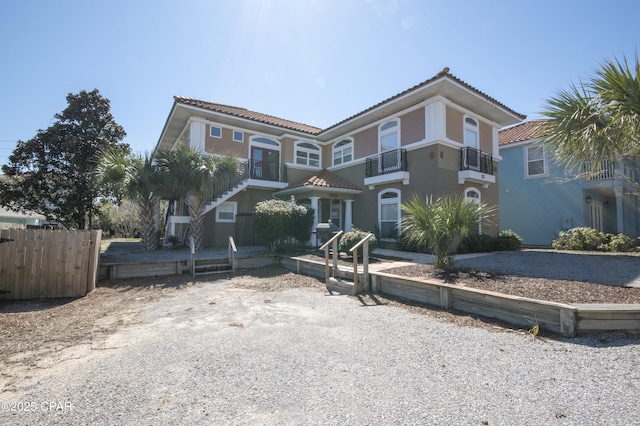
x: 267, y: 170
x: 474, y: 159
x: 387, y: 162
x: 249, y: 170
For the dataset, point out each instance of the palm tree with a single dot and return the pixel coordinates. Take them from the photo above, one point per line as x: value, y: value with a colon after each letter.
x: 187, y: 174
x: 596, y: 120
x: 436, y: 224
x: 135, y: 178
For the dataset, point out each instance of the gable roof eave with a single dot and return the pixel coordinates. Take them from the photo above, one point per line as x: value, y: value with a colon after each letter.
x: 442, y: 84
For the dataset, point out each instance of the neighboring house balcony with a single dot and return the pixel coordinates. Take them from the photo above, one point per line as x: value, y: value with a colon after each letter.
x: 607, y: 170
x: 610, y: 173
x: 389, y: 166
x: 476, y: 166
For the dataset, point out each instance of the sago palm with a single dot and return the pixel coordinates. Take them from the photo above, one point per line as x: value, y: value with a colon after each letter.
x: 435, y: 224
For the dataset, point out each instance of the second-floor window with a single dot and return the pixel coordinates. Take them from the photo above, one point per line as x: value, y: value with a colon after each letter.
x: 238, y: 136
x: 470, y: 132
x: 307, y: 154
x: 215, y: 132
x: 535, y: 161
x: 342, y: 151
x: 389, y: 135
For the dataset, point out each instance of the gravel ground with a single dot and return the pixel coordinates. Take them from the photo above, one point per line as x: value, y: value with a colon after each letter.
x: 223, y: 352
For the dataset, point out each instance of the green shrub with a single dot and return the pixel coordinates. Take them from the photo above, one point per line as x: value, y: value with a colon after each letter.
x: 353, y: 237
x: 279, y: 222
x: 580, y: 238
x: 508, y: 240
x: 477, y: 244
x: 617, y: 243
x: 505, y: 241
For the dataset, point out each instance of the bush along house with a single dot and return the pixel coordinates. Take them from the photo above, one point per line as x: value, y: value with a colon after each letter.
x: 438, y: 137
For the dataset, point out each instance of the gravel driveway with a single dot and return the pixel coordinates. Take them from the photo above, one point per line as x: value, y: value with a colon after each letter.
x: 218, y: 354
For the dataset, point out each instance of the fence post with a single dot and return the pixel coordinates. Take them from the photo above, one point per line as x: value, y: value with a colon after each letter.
x: 94, y: 256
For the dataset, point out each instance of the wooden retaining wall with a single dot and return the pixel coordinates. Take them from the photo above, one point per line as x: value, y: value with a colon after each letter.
x: 37, y: 264
x: 551, y: 316
x: 119, y: 271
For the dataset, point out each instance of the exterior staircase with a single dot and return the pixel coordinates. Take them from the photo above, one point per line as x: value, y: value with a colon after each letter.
x: 212, y: 266
x: 224, y: 189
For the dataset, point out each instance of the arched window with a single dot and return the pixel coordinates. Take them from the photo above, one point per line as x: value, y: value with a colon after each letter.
x: 342, y: 151
x: 389, y: 214
x: 470, y: 132
x: 307, y: 154
x: 389, y: 135
x: 257, y: 140
x: 472, y: 195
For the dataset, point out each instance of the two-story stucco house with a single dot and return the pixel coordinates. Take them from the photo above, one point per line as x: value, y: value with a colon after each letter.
x: 539, y: 198
x: 438, y: 137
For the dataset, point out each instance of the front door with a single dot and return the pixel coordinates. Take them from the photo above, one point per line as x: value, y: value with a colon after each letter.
x: 265, y: 164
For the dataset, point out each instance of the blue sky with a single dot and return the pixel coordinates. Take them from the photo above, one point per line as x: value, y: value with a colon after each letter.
x: 312, y: 61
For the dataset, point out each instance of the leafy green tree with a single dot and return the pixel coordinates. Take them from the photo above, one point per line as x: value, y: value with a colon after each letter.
x: 135, y: 178
x: 598, y: 119
x: 436, y: 224
x: 52, y: 173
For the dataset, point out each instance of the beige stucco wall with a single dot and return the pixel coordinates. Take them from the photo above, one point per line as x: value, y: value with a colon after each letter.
x: 226, y: 144
x: 412, y: 127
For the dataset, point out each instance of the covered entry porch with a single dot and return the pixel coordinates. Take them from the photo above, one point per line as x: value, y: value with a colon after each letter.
x: 329, y: 196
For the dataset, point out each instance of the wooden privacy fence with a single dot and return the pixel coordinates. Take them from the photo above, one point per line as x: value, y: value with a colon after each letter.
x: 38, y: 264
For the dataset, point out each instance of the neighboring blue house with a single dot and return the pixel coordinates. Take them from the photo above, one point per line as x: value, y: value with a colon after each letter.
x: 538, y: 198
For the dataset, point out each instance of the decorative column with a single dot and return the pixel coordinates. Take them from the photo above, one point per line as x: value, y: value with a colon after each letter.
x: 314, y: 206
x: 619, y: 211
x: 348, y: 215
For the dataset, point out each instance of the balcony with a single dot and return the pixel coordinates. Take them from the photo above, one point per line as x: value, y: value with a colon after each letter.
x: 476, y: 166
x: 266, y: 174
x: 590, y: 172
x: 389, y: 166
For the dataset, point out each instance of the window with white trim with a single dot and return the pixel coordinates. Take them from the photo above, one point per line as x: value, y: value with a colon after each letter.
x: 389, y: 135
x: 307, y: 154
x: 238, y: 136
x: 342, y: 151
x: 535, y: 159
x: 215, y: 131
x: 226, y: 212
x: 470, y: 132
x: 389, y: 214
x: 473, y: 196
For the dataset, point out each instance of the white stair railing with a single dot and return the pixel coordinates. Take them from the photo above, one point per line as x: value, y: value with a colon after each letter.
x: 233, y: 253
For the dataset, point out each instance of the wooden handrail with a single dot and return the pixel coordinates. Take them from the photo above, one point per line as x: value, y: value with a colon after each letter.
x: 365, y: 262
x: 232, y: 254
x: 325, y: 245
x: 334, y: 242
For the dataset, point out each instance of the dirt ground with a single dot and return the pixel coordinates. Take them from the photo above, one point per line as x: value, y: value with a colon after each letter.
x: 36, y: 333
x: 33, y: 331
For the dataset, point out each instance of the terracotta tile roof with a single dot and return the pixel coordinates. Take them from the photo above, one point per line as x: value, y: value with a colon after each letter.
x: 250, y: 115
x: 324, y: 179
x: 444, y: 73
x: 521, y: 132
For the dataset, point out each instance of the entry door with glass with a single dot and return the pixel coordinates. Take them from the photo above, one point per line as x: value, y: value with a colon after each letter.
x: 265, y: 164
